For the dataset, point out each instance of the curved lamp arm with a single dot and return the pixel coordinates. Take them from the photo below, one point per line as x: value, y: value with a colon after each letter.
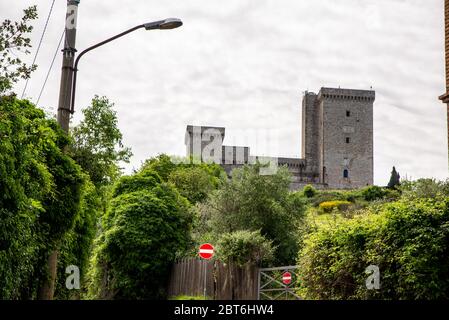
x: 170, y: 23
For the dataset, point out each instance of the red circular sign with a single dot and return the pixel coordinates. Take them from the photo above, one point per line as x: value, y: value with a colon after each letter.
x: 206, y: 251
x: 287, y: 278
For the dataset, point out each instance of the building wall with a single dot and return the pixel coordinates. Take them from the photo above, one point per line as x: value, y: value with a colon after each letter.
x: 446, y: 24
x: 325, y: 152
x: 338, y: 155
x: 310, y: 129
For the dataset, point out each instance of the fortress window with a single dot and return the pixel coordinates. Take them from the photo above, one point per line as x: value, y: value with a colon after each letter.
x: 348, y: 113
x: 348, y: 140
x: 346, y: 173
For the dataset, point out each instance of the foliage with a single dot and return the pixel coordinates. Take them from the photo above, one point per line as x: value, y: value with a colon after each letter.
x: 394, y: 179
x: 309, y: 191
x: 41, y: 194
x: 329, y: 206
x: 193, y: 181
x: 162, y: 165
x: 252, y: 202
x: 425, y: 188
x: 407, y: 239
x: 243, y: 247
x: 98, y: 146
x: 13, y: 40
x: 329, y: 195
x: 127, y: 184
x: 145, y: 229
x: 373, y: 193
x: 76, y: 245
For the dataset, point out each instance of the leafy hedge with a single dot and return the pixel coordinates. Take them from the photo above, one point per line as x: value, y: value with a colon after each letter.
x: 42, y: 191
x: 329, y: 206
x: 143, y: 232
x: 243, y: 247
x: 408, y: 241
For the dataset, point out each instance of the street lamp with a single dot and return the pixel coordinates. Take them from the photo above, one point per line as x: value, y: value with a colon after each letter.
x: 170, y: 23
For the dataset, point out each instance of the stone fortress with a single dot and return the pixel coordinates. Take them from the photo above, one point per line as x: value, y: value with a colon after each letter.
x: 337, y: 142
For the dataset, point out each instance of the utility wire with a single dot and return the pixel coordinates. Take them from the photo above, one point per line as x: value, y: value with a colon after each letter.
x: 39, y: 46
x: 51, y: 66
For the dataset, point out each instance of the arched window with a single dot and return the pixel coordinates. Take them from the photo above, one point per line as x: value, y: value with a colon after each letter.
x: 346, y: 173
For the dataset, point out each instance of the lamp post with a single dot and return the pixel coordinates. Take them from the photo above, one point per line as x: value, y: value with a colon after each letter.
x: 66, y: 103
x: 166, y: 24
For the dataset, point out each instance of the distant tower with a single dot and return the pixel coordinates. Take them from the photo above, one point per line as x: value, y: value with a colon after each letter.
x: 338, y: 136
x: 445, y: 97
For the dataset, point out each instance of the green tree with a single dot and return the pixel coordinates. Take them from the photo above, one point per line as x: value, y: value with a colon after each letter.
x: 145, y: 229
x: 250, y: 201
x: 245, y: 247
x: 98, y: 146
x: 14, y: 40
x: 41, y: 191
x: 406, y: 239
x: 394, y: 179
x: 194, y: 181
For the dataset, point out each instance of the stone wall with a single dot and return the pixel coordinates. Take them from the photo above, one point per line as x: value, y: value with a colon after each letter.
x: 329, y: 118
x: 347, y: 142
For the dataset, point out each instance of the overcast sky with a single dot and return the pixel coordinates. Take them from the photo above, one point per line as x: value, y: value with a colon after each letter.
x: 245, y: 64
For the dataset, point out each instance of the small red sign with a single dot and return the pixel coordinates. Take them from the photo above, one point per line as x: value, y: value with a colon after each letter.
x: 206, y: 251
x: 287, y: 278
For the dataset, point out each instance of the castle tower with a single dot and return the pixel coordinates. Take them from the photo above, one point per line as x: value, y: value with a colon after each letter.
x: 445, y: 97
x: 338, y: 136
x: 310, y: 133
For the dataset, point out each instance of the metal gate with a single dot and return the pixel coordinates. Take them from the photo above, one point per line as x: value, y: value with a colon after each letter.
x: 271, y: 287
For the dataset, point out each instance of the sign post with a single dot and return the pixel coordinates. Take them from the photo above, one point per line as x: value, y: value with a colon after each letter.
x: 206, y: 252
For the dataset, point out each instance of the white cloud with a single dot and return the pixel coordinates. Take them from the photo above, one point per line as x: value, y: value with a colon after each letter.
x: 244, y: 64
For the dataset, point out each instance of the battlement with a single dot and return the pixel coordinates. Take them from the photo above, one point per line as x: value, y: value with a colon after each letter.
x: 347, y: 94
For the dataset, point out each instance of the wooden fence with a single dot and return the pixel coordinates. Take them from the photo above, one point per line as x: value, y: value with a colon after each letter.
x: 215, y: 279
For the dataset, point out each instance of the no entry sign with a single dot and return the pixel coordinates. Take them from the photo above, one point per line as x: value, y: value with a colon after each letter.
x: 287, y: 278
x: 206, y: 251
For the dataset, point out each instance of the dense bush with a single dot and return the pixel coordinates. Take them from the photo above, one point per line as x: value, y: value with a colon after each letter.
x: 424, y: 188
x: 309, y: 191
x: 373, y: 193
x: 42, y: 190
x: 243, y: 247
x: 407, y: 240
x: 329, y: 206
x: 327, y: 195
x: 194, y: 183
x: 250, y: 201
x: 76, y: 245
x: 144, y: 230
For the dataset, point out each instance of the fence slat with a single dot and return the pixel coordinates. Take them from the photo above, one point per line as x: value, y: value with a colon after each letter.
x: 223, y: 281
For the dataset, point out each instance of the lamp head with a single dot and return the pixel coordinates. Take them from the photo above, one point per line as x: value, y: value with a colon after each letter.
x: 170, y: 23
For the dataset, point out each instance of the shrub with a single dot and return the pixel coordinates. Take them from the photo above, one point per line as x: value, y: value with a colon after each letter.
x: 424, y: 188
x: 243, y: 247
x: 329, y: 206
x: 309, y: 191
x: 373, y: 193
x: 144, y: 231
x: 325, y: 196
x: 406, y: 239
x: 41, y: 191
x: 250, y: 201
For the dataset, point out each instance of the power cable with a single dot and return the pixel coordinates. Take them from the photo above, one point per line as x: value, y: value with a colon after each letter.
x: 51, y: 66
x: 39, y: 46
